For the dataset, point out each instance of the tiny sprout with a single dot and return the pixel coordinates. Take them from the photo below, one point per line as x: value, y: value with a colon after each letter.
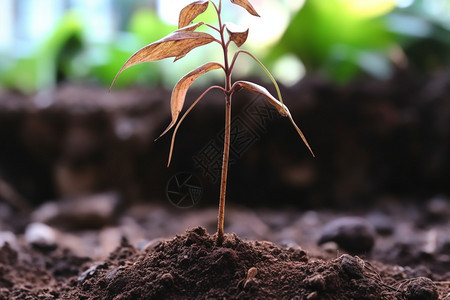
x: 181, y: 42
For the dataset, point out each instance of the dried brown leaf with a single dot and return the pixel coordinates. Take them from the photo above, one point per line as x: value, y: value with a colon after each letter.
x: 181, y: 88
x: 188, y: 28
x: 282, y: 109
x: 191, y: 11
x: 255, y: 88
x: 247, y: 5
x: 238, y: 38
x: 176, y: 44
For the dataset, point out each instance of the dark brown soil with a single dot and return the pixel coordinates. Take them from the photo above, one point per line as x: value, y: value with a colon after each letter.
x: 37, y: 274
x: 89, y: 158
x: 192, y: 266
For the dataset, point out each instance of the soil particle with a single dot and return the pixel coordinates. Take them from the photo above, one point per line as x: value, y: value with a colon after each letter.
x: 382, y: 223
x: 91, y: 271
x: 353, y: 234
x: 438, y: 208
x: 94, y: 211
x: 41, y: 236
x: 421, y: 288
x: 8, y: 255
x: 316, y: 282
x: 8, y: 237
x: 251, y: 277
x: 312, y: 296
x: 352, y: 266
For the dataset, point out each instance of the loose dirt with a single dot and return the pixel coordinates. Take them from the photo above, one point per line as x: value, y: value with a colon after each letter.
x: 192, y: 266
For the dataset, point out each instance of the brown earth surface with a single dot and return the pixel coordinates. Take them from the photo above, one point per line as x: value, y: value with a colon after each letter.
x: 144, y: 254
x: 83, y: 213
x: 192, y: 266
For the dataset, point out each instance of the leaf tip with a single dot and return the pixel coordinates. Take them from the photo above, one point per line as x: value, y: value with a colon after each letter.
x: 247, y: 6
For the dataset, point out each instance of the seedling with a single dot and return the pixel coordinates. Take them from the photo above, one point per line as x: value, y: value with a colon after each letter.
x: 181, y: 42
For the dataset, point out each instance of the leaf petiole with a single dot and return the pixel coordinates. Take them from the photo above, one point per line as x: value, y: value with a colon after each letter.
x: 213, y: 27
x: 262, y: 67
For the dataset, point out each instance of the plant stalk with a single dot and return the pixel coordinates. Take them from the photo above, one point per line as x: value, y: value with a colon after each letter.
x: 226, y: 141
x: 223, y: 182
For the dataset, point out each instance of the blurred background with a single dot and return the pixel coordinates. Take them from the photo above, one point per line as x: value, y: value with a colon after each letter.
x: 367, y: 81
x: 46, y: 42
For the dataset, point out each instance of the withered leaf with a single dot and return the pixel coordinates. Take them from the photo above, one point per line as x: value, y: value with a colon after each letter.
x: 238, y: 38
x: 282, y: 109
x: 181, y: 88
x: 247, y: 5
x: 176, y: 44
x: 188, y: 28
x: 256, y: 88
x: 191, y: 11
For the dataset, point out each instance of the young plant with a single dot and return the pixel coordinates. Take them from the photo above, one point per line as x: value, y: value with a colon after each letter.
x: 182, y: 41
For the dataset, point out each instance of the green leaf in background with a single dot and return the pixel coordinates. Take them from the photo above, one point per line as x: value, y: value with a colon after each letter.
x: 339, y: 39
x: 40, y: 69
x: 424, y: 33
x: 139, y: 33
x: 65, y: 55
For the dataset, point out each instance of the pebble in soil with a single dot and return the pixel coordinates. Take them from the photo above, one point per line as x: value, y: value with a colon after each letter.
x: 353, y: 234
x: 421, y: 288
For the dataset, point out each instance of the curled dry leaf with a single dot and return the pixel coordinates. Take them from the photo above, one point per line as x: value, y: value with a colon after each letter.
x: 238, y: 38
x: 181, y: 88
x: 176, y: 44
x: 256, y: 88
x: 282, y: 109
x: 191, y: 11
x: 247, y: 5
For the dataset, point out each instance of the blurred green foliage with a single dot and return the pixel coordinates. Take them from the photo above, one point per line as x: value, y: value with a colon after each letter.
x: 335, y: 39
x: 66, y: 55
x: 327, y: 35
x: 41, y: 68
x: 138, y: 33
x: 330, y: 37
x: 424, y: 32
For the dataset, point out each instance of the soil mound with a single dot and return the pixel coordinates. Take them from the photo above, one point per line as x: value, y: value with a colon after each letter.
x: 192, y: 266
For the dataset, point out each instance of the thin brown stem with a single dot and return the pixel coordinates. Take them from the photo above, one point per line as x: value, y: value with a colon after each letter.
x: 213, y: 27
x: 233, y: 61
x: 228, y: 43
x: 215, y: 6
x: 223, y: 182
x: 225, y: 55
x: 226, y: 142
